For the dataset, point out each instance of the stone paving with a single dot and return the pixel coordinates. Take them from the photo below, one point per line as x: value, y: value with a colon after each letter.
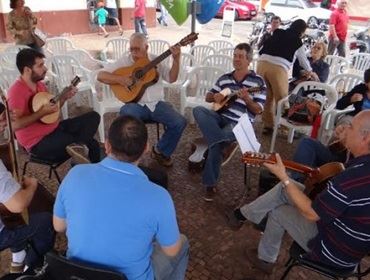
x: 216, y: 252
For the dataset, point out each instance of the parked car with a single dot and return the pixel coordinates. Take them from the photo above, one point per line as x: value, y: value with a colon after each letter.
x: 303, y: 9
x: 243, y: 9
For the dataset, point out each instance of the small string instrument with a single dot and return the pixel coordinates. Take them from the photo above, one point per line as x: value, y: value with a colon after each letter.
x: 143, y: 74
x: 42, y: 98
x: 230, y: 96
x: 316, y: 177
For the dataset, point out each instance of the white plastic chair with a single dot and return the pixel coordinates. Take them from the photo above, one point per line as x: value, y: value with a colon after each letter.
x: 8, y: 61
x: 219, y: 60
x: 115, y: 49
x: 227, y: 51
x: 187, y: 62
x: 58, y: 45
x: 337, y: 65
x: 158, y: 47
x: 65, y: 68
x: 201, y: 51
x: 343, y: 83
x: 360, y: 62
x: 332, y: 98
x: 220, y: 44
x: 104, y: 101
x: 15, y: 48
x: 86, y: 60
x: 200, y: 80
x: 7, y: 79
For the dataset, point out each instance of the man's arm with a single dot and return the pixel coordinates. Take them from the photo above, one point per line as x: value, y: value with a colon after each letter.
x: 252, y: 106
x: 174, y: 71
x: 173, y: 250
x: 300, y: 200
x: 21, y: 121
x: 59, y: 224
x: 22, y: 198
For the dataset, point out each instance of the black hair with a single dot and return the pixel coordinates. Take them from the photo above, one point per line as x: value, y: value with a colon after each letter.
x: 276, y: 18
x: 128, y: 137
x: 13, y: 4
x: 27, y: 58
x: 298, y: 26
x: 367, y: 75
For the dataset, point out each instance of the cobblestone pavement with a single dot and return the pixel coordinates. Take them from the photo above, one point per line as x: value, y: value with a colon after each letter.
x: 216, y: 251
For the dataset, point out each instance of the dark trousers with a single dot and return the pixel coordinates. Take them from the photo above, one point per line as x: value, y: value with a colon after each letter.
x: 75, y: 130
x: 39, y: 232
x: 339, y: 45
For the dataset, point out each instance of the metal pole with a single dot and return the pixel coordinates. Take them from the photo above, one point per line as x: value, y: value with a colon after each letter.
x: 193, y: 12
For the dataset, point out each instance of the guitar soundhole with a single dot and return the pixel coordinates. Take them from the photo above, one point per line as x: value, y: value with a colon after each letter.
x: 139, y: 74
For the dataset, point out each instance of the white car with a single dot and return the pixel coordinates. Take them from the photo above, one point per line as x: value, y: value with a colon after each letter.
x: 303, y: 9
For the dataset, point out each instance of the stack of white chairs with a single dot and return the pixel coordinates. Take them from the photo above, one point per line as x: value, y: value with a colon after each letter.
x: 227, y: 51
x: 201, y: 51
x: 221, y: 61
x: 157, y: 47
x: 220, y: 44
x: 7, y: 79
x: 193, y: 92
x: 86, y: 60
x: 104, y: 101
x: 338, y: 65
x: 332, y: 98
x: 15, y: 48
x: 58, y: 45
x: 8, y: 61
x: 360, y: 62
x: 114, y: 49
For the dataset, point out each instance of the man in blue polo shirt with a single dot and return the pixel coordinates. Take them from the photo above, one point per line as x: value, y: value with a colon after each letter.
x: 334, y: 227
x: 115, y: 218
x: 217, y: 126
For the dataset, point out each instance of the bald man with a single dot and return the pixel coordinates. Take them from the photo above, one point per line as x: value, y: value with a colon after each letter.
x: 151, y: 106
x: 338, y: 27
x: 333, y: 228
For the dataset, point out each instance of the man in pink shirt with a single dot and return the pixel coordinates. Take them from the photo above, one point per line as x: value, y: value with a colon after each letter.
x: 139, y: 14
x: 338, y: 29
x: 48, y: 141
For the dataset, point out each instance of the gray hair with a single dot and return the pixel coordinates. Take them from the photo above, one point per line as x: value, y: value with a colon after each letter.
x: 139, y: 36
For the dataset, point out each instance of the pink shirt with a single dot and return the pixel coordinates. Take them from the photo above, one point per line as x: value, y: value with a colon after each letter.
x: 20, y: 98
x: 339, y: 18
x: 139, y: 8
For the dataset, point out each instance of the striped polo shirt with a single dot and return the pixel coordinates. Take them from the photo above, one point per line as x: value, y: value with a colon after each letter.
x: 238, y: 108
x: 344, y: 211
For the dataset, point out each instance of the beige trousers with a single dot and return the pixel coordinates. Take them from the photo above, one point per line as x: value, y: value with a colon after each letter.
x: 276, y: 79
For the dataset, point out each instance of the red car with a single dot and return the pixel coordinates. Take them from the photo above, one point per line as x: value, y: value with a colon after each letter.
x: 243, y: 9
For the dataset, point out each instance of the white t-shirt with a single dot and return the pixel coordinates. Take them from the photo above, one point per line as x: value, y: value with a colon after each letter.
x: 111, y: 4
x: 152, y: 94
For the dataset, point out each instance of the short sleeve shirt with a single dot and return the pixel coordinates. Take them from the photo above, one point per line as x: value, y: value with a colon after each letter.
x: 339, y: 18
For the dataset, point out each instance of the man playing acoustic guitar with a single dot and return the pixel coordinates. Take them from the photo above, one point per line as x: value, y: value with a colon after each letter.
x: 39, y: 231
x: 150, y: 107
x: 217, y: 126
x: 48, y: 141
x: 333, y: 228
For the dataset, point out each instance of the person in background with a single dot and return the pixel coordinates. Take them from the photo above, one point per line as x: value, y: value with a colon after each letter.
x: 164, y: 14
x: 275, y: 24
x: 21, y: 23
x: 134, y: 229
x: 111, y: 7
x: 102, y: 14
x: 338, y: 27
x: 139, y: 17
x: 359, y: 96
x: 319, y: 67
x: 276, y: 59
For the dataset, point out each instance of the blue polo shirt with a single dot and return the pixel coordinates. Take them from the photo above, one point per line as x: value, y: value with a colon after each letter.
x: 238, y: 108
x: 113, y: 214
x: 344, y: 211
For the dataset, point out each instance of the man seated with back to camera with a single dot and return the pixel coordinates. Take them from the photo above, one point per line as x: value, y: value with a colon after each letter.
x: 217, y: 127
x: 16, y: 198
x: 332, y: 227
x: 114, y: 217
x: 55, y: 141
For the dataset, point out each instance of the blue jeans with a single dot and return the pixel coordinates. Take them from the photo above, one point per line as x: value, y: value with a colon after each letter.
x: 170, y: 268
x: 282, y: 216
x: 39, y: 232
x: 174, y: 123
x: 217, y: 130
x: 140, y: 25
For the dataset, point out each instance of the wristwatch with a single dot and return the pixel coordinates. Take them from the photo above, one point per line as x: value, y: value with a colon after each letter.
x: 285, y: 183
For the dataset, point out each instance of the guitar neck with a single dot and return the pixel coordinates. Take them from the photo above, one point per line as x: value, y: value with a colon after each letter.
x: 298, y: 167
x: 156, y: 61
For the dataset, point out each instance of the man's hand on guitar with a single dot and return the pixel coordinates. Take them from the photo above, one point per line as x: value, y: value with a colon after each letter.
x: 244, y: 94
x: 278, y: 169
x: 218, y: 97
x: 49, y: 108
x: 125, y: 82
x: 175, y: 51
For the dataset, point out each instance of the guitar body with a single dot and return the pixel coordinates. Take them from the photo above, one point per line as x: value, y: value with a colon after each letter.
x: 43, y: 98
x: 140, y: 82
x: 225, y: 104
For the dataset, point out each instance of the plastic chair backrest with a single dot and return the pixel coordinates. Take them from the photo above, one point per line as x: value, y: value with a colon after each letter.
x: 116, y: 47
x: 15, y: 48
x: 8, y: 61
x: 227, y: 51
x: 219, y: 60
x: 360, y: 62
x: 85, y: 59
x: 201, y: 51
x: 58, y: 45
x: 220, y: 44
x: 343, y: 83
x: 158, y: 47
x: 7, y: 79
x: 337, y: 65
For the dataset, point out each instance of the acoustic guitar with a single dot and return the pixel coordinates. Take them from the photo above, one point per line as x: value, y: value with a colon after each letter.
x: 316, y: 177
x: 42, y: 200
x: 230, y: 96
x: 42, y: 98
x: 143, y: 74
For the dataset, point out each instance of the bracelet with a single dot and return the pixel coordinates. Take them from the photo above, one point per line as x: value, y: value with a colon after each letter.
x: 286, y: 183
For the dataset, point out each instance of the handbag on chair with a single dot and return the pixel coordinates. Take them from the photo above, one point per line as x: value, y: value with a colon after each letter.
x: 39, y: 37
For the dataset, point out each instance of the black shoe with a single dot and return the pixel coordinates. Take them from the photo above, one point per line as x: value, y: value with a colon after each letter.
x: 232, y: 221
x: 252, y: 256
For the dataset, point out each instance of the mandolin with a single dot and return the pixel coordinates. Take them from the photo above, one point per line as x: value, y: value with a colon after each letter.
x: 316, y: 177
x: 143, y: 74
x: 230, y: 96
x: 42, y: 98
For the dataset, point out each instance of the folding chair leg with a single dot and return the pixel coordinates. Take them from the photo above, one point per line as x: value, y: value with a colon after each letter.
x: 286, y: 272
x: 50, y: 171
x: 56, y: 175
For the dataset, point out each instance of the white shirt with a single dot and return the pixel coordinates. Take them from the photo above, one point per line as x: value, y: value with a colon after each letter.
x: 152, y: 94
x: 111, y: 4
